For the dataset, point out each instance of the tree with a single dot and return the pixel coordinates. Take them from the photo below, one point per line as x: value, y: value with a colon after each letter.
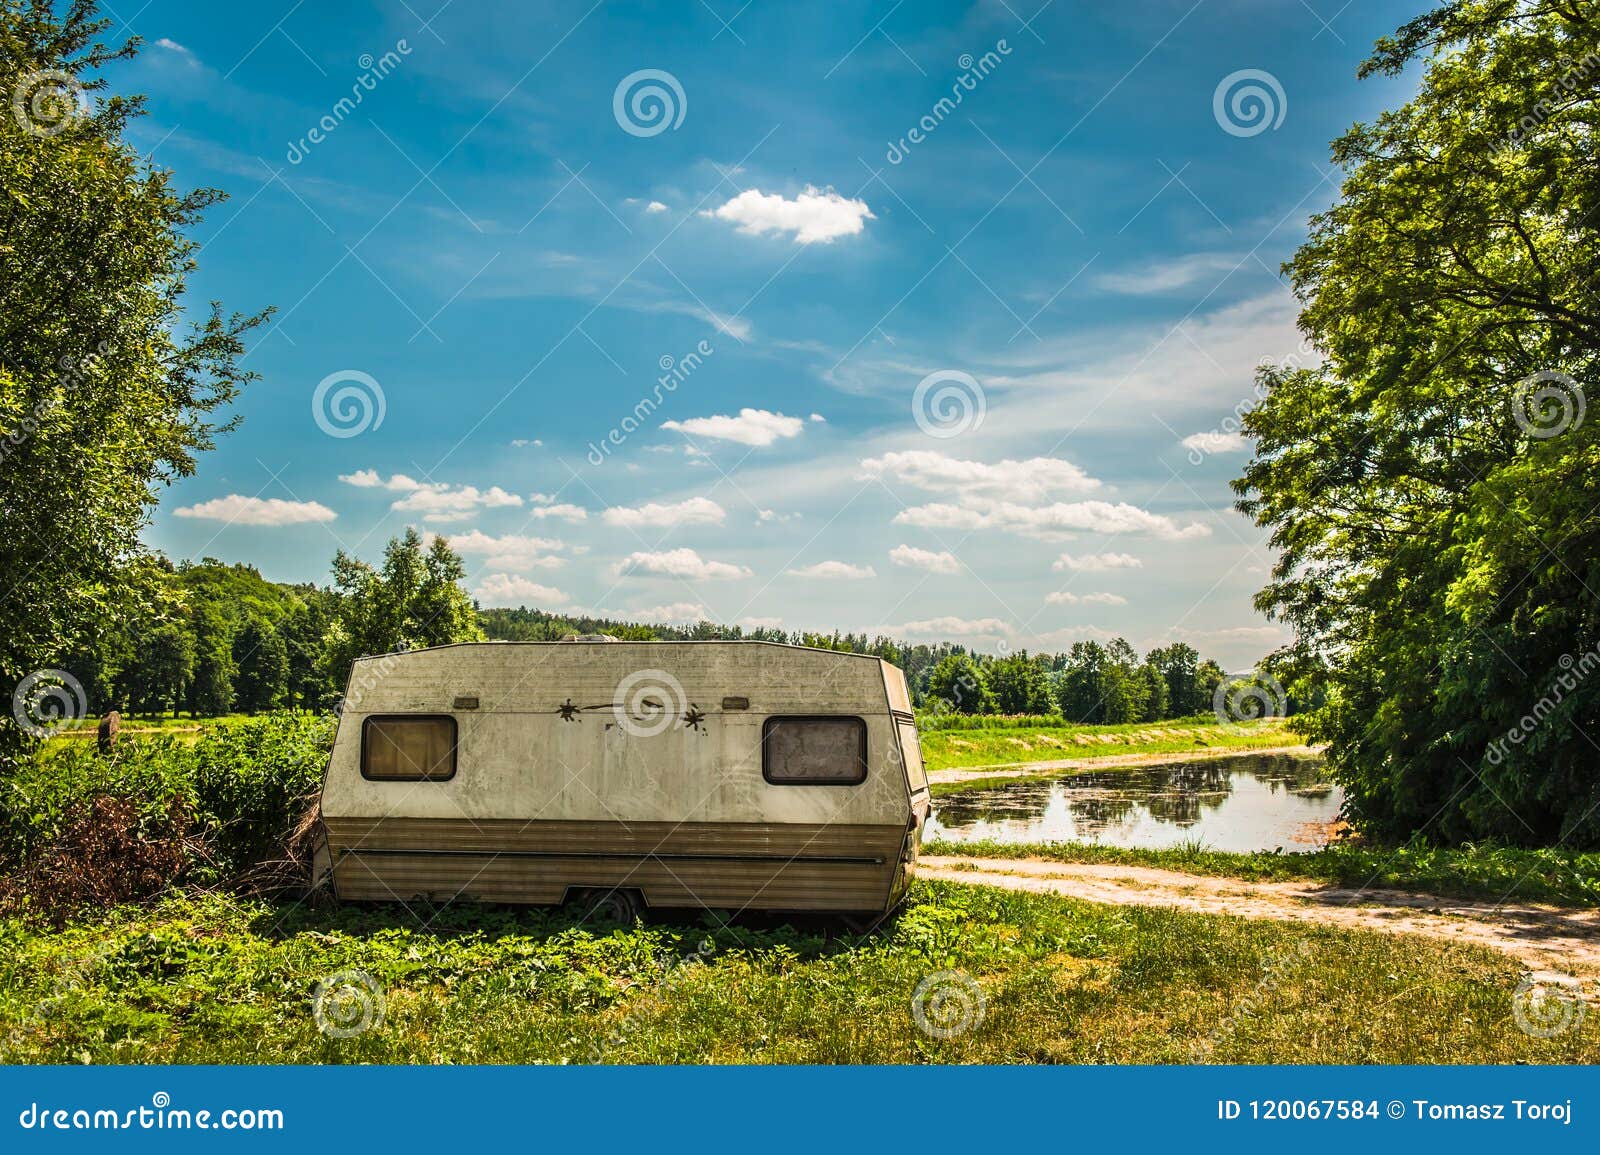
x: 162, y: 663
x: 957, y: 683
x: 1078, y: 685
x: 1179, y: 665
x: 262, y: 659
x: 1018, y: 685
x: 1157, y: 703
x: 106, y: 391
x: 415, y: 600
x: 1431, y: 484
x: 210, y: 689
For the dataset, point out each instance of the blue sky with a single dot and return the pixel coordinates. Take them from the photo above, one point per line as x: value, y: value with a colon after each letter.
x: 510, y: 252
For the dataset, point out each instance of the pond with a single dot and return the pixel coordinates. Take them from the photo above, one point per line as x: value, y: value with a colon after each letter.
x: 1244, y: 803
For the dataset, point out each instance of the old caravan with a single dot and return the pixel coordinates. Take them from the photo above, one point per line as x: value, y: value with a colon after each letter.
x: 728, y: 775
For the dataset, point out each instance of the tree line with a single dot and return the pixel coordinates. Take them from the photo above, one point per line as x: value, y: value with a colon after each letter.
x: 222, y: 639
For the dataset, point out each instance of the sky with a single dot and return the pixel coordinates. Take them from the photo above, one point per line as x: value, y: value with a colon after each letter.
x: 925, y: 318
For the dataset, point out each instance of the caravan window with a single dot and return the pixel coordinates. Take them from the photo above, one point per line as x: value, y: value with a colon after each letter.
x: 408, y: 747
x: 911, y: 751
x: 814, y: 751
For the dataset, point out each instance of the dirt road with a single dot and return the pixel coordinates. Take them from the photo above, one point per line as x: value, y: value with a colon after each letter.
x: 1549, y: 941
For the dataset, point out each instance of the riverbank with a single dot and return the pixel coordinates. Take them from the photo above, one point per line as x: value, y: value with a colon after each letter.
x: 955, y: 780
x: 950, y: 747
x: 1547, y: 941
x: 1491, y: 873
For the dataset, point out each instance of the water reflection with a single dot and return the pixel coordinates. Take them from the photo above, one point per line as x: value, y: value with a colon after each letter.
x: 1249, y: 802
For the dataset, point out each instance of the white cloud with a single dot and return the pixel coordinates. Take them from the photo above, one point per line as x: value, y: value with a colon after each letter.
x: 953, y: 627
x: 815, y: 215
x: 1049, y: 522
x: 1009, y: 480
x: 241, y: 510
x: 926, y: 559
x: 372, y: 479
x: 501, y: 589
x: 1067, y: 598
x: 675, y: 613
x: 683, y: 563
x: 510, y: 551
x: 655, y: 207
x: 561, y: 510
x: 442, y: 502
x: 1096, y: 562
x: 818, y: 417
x: 524, y: 442
x: 758, y: 427
x: 765, y: 515
x: 761, y: 623
x: 1216, y: 441
x: 655, y: 515
x: 829, y: 570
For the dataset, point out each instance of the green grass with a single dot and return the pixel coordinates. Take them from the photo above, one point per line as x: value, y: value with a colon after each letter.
x: 1560, y: 877
x: 952, y: 749
x: 218, y: 980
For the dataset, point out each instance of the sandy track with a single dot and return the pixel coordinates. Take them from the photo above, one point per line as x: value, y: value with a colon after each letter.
x: 1107, y: 761
x: 1547, y: 940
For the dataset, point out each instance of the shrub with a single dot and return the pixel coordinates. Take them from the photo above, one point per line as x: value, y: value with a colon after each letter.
x: 234, y: 796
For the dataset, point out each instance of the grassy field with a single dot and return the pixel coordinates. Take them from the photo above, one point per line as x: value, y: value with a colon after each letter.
x: 220, y: 980
x: 944, y: 749
x: 1559, y: 877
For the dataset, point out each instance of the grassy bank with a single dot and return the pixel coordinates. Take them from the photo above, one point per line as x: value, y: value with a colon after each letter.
x: 944, y: 749
x: 220, y: 980
x: 1494, y: 873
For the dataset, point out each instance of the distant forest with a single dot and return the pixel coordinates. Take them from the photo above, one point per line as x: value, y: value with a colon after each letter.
x: 222, y: 639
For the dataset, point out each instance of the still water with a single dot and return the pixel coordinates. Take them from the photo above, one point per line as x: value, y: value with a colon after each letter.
x: 1245, y: 803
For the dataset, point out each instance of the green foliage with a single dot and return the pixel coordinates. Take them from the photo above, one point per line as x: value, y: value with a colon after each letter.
x: 957, y: 685
x: 162, y: 664
x: 1438, y: 519
x: 248, y: 782
x: 212, y: 979
x: 106, y: 387
x: 415, y: 600
x: 262, y: 659
x: 1019, y: 685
